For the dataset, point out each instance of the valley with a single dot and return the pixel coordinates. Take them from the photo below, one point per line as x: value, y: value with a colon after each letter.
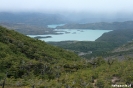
x: 27, y: 62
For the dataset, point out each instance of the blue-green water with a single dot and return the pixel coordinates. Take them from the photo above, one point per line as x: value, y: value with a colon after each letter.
x: 73, y: 35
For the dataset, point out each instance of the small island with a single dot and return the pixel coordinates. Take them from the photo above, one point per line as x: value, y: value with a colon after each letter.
x: 38, y: 37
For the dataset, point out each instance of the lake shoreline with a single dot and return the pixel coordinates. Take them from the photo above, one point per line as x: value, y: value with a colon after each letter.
x: 71, y: 35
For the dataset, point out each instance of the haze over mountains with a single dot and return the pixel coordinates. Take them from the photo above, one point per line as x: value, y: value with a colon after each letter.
x: 27, y: 62
x: 37, y: 18
x: 64, y: 11
x: 36, y: 22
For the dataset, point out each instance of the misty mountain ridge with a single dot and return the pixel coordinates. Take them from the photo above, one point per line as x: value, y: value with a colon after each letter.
x: 41, y: 19
x: 100, y: 25
x: 37, y: 19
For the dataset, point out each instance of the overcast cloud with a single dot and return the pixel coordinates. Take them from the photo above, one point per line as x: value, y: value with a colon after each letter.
x: 96, y: 6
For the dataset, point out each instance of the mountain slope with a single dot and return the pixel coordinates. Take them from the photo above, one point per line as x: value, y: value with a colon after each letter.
x: 125, y: 49
x: 22, y: 56
x: 117, y: 36
x: 26, y: 63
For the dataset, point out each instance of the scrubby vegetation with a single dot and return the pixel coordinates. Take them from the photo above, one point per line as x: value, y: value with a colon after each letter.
x: 29, y: 63
x: 88, y: 49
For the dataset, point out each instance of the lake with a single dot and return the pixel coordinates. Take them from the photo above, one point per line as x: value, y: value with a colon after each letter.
x: 72, y: 35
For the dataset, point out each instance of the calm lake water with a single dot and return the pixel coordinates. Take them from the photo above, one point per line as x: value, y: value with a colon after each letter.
x: 72, y: 35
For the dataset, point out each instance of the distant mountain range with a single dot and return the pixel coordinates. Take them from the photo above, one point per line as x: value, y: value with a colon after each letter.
x: 100, y: 25
x: 28, y: 29
x: 36, y: 23
x: 36, y: 19
x: 43, y: 19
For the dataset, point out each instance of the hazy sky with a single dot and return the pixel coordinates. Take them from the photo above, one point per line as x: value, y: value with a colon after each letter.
x: 95, y: 6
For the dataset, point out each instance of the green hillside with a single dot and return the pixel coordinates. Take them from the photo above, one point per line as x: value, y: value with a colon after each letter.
x: 126, y: 47
x: 117, y: 36
x: 29, y: 63
x: 22, y: 56
x: 88, y: 49
x: 123, y: 51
